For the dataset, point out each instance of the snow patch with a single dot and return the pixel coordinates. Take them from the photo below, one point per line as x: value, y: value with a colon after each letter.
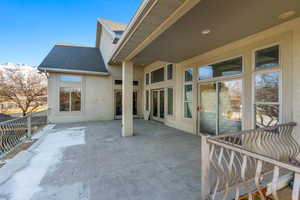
x: 25, y: 183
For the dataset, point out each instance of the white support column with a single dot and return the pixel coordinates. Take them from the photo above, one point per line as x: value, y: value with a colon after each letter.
x: 205, y: 168
x: 127, y: 98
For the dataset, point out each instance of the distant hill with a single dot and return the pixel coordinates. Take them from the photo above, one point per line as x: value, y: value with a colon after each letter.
x: 24, y: 67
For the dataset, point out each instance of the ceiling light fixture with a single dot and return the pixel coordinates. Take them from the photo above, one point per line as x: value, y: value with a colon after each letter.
x: 205, y: 32
x: 287, y: 14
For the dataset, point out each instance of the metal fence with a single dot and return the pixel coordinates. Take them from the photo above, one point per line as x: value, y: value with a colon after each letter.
x: 16, y: 131
x: 246, y: 162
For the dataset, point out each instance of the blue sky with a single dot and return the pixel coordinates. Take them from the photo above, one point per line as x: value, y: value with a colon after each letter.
x: 30, y: 28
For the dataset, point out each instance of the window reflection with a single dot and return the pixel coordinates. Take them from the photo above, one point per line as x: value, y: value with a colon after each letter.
x: 266, y: 87
x: 266, y: 115
x: 64, y: 99
x: 188, y: 92
x: 158, y: 75
x: 188, y: 110
x: 69, y: 99
x: 188, y: 75
x: 70, y: 78
x: 221, y: 107
x: 268, y: 57
x: 208, y: 108
x: 230, y: 106
x: 229, y: 67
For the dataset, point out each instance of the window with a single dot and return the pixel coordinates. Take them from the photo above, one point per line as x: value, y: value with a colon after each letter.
x: 225, y: 68
x: 170, y: 72
x: 170, y: 101
x: 70, y: 79
x: 188, y: 93
x: 120, y: 82
x: 188, y: 75
x: 158, y: 75
x: 266, y: 87
x: 69, y: 99
x: 147, y: 100
x: 70, y: 93
x: 147, y: 78
x: 266, y: 58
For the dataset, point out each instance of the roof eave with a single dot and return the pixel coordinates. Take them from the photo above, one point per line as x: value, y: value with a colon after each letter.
x: 61, y: 70
x: 133, y: 23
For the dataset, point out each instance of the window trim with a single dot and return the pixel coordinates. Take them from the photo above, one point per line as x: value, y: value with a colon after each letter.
x: 213, y: 79
x: 183, y: 96
x: 255, y: 71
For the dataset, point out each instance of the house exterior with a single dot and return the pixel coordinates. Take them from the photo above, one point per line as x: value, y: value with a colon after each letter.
x: 196, y: 65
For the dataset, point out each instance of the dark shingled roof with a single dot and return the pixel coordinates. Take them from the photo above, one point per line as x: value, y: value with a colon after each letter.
x: 71, y: 57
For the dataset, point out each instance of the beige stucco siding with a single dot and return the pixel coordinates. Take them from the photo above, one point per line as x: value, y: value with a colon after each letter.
x: 96, y: 97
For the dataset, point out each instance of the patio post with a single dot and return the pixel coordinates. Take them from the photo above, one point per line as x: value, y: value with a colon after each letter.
x: 205, y: 175
x: 127, y: 93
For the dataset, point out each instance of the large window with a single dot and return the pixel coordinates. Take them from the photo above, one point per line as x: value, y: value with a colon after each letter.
x: 266, y: 87
x: 70, y: 93
x: 228, y: 67
x: 170, y: 101
x: 188, y: 93
x: 158, y: 75
x: 70, y: 99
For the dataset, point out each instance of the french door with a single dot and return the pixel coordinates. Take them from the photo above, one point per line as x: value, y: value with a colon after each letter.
x: 220, y: 107
x: 158, y: 104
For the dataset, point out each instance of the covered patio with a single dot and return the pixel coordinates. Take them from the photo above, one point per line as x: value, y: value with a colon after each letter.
x: 158, y: 163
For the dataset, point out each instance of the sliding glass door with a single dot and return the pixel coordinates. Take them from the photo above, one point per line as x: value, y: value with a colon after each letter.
x: 220, y: 107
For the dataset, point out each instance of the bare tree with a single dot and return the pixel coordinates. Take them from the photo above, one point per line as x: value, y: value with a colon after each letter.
x: 26, y: 88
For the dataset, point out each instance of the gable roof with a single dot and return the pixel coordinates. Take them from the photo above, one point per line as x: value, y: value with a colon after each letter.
x: 114, y: 26
x: 75, y: 59
x: 115, y: 29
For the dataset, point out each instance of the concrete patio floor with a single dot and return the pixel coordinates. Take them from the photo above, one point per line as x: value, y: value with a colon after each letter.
x: 158, y: 163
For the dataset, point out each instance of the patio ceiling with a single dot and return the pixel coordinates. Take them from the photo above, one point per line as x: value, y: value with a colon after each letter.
x: 227, y: 21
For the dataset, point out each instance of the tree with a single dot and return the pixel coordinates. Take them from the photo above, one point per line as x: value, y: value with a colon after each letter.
x: 25, y: 87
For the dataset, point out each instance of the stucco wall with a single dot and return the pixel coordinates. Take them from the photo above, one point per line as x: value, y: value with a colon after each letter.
x: 287, y: 35
x: 96, y: 97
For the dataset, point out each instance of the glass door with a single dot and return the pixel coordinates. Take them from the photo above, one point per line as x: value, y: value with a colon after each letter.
x: 158, y: 104
x: 162, y: 104
x: 155, y: 104
x: 208, y: 108
x: 220, y: 109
